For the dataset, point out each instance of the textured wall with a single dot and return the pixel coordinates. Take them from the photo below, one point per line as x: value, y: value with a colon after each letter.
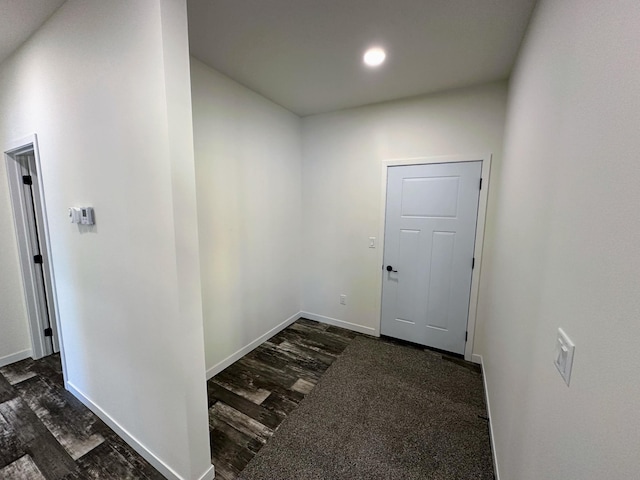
x: 248, y: 163
x: 565, y: 249
x: 14, y: 329
x: 105, y: 85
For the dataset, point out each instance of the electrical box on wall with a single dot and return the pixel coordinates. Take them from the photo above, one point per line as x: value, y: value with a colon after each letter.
x: 81, y: 215
x: 74, y: 215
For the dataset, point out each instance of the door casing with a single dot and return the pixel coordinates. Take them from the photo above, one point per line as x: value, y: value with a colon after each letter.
x: 480, y: 226
x: 38, y: 341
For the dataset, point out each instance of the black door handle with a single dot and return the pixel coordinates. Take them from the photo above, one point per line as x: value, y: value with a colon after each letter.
x: 390, y: 269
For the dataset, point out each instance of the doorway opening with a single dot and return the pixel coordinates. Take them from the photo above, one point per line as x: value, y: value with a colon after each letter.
x: 30, y: 219
x: 433, y: 212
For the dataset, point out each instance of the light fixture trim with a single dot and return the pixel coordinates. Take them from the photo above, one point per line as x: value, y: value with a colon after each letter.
x: 374, y: 56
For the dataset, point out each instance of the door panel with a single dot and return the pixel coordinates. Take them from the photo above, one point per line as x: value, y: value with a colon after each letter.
x: 440, y: 277
x: 430, y: 197
x: 431, y: 215
x: 409, y: 247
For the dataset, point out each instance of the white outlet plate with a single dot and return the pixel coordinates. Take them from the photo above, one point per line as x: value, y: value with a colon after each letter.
x: 564, y: 355
x: 343, y: 299
x: 372, y: 242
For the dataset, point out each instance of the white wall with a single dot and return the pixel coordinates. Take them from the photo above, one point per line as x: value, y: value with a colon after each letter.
x: 342, y: 155
x: 566, y: 251
x: 14, y: 330
x: 248, y: 164
x: 15, y: 342
x: 105, y: 85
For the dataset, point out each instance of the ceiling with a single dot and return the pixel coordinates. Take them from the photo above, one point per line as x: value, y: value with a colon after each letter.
x: 306, y: 55
x: 19, y: 19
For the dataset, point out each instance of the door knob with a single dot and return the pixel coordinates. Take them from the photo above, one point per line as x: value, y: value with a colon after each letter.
x: 390, y: 269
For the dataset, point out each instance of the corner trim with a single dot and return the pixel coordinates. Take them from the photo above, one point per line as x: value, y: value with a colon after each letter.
x: 494, y: 454
x: 148, y: 455
x: 14, y: 357
x: 476, y: 359
x: 341, y: 323
x: 221, y: 365
x: 210, y: 474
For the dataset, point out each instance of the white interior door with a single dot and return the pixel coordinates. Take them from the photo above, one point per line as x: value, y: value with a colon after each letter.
x: 34, y: 257
x: 430, y: 228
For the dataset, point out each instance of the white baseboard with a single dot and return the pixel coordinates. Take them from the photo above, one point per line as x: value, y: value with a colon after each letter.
x: 14, y: 357
x: 148, y: 455
x: 341, y: 323
x: 493, y: 442
x: 476, y: 359
x: 234, y: 357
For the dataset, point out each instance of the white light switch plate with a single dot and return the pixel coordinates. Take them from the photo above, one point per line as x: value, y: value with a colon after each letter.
x: 564, y: 355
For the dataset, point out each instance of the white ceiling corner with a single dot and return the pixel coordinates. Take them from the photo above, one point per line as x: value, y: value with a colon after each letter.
x: 20, y: 19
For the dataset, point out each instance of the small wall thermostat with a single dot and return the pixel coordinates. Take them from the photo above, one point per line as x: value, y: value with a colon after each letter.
x: 86, y: 215
x: 81, y: 215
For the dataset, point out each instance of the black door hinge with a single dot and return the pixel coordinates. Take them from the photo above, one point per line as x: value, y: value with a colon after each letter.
x: 48, y: 332
x: 27, y: 180
x: 466, y: 335
x: 37, y: 258
x: 480, y: 183
x: 473, y: 263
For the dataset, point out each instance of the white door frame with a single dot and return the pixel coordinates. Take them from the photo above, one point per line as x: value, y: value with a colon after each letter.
x: 34, y: 314
x: 482, y: 212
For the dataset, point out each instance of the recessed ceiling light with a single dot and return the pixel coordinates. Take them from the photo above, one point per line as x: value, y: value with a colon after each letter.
x: 374, y: 56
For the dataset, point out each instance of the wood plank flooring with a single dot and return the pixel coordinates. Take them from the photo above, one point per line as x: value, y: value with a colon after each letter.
x: 250, y: 399
x: 47, y: 434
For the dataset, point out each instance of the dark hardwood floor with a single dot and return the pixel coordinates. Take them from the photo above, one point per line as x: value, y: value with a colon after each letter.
x: 47, y: 434
x: 250, y: 399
